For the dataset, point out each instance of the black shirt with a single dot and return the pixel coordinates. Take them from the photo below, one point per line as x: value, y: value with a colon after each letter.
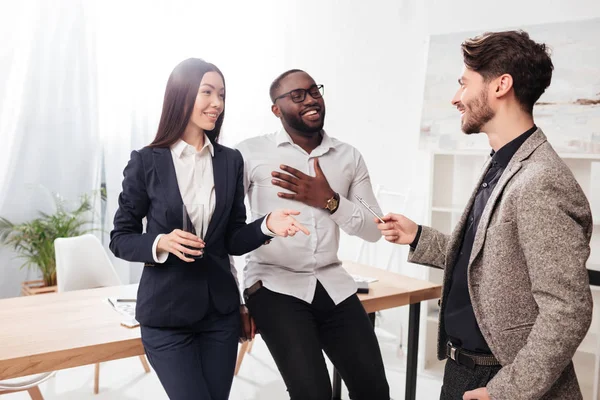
x: 461, y: 326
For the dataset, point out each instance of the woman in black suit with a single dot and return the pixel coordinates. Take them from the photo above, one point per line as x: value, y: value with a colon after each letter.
x: 189, y: 308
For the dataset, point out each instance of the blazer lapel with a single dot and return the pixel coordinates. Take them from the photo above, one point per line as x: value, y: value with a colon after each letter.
x: 220, y: 174
x: 163, y: 162
x: 512, y: 168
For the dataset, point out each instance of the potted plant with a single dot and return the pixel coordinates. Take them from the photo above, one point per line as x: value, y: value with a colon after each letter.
x: 34, y: 240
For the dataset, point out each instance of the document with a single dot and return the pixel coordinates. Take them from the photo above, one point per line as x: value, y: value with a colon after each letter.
x: 125, y: 307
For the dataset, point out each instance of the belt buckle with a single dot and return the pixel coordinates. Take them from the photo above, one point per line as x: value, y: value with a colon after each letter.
x: 452, y: 351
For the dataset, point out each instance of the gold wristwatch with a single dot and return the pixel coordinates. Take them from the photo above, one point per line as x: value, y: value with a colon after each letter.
x: 333, y: 203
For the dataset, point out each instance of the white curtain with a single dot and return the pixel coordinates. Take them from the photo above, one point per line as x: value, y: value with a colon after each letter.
x: 48, y: 114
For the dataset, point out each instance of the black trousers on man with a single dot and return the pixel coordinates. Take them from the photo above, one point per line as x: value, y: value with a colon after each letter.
x: 297, y: 332
x: 459, y: 379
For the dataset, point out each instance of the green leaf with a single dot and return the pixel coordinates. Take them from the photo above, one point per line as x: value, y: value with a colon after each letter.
x: 34, y: 240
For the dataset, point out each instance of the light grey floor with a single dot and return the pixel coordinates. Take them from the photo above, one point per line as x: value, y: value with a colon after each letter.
x: 258, y: 379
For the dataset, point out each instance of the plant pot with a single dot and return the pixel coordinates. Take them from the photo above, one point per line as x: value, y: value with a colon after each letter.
x: 29, y: 288
x: 49, y: 278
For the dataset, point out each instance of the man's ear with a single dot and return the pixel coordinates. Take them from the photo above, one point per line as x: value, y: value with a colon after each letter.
x: 276, y: 111
x: 504, y: 84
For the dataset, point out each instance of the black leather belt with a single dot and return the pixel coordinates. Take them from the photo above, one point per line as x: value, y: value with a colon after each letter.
x: 252, y: 289
x: 469, y: 359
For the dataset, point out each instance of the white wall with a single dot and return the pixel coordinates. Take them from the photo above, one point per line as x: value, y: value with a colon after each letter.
x: 371, y: 56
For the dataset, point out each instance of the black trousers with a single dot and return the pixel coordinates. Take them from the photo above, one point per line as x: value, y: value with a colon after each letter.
x: 196, y: 362
x: 459, y: 379
x: 297, y: 332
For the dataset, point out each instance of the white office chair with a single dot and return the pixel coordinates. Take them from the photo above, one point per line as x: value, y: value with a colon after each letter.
x: 373, y: 253
x: 29, y: 383
x: 82, y: 263
x: 391, y: 201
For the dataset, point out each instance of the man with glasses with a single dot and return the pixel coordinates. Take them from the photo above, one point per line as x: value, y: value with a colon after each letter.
x: 302, y: 300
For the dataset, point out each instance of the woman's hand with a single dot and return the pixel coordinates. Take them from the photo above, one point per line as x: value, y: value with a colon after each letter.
x: 281, y: 223
x: 175, y: 241
x: 248, y: 327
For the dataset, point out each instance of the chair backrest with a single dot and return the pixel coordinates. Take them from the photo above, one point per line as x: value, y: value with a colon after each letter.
x: 24, y: 382
x: 82, y: 263
x: 392, y: 201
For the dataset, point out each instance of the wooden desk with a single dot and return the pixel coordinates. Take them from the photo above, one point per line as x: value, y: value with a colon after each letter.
x: 394, y: 290
x: 391, y: 290
x: 64, y: 330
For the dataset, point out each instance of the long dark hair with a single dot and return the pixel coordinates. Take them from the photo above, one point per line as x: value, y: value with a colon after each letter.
x: 178, y: 104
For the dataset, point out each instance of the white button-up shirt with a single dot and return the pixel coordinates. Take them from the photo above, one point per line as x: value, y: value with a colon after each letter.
x: 194, y: 171
x: 293, y: 265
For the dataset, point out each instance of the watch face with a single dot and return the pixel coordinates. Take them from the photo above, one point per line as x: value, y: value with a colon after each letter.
x: 332, y: 204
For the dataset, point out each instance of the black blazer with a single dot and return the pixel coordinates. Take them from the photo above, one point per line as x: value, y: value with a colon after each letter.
x: 176, y: 293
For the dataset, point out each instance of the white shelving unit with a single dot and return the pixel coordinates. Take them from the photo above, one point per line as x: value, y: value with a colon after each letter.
x: 453, y: 178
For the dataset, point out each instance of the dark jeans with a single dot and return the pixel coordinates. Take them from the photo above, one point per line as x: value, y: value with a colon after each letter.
x: 197, y: 362
x: 459, y: 379
x: 297, y: 332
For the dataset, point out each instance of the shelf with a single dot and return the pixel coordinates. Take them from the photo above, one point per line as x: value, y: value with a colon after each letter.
x: 432, y: 316
x: 589, y: 344
x: 486, y: 152
x: 460, y: 210
x: 434, y: 369
x: 579, y: 156
x: 452, y: 210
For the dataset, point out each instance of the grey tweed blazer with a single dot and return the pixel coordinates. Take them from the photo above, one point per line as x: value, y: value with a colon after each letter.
x: 527, y: 273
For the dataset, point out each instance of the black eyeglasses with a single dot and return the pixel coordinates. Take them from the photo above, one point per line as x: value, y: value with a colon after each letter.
x: 298, y: 95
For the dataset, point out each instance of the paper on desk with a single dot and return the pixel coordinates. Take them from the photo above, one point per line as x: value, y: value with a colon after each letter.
x: 126, y: 309
x: 360, y: 278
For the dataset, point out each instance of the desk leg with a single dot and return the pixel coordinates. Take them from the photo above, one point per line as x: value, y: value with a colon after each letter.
x: 337, y: 379
x: 337, y: 385
x: 413, y: 351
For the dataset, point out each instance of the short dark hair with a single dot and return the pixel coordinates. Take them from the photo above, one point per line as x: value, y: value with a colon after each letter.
x: 178, y: 104
x: 277, y: 82
x: 511, y: 52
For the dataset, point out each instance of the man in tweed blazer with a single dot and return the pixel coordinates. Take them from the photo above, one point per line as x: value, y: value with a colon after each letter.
x: 516, y: 301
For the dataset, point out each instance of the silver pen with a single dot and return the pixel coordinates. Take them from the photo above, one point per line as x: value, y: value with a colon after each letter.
x: 368, y: 207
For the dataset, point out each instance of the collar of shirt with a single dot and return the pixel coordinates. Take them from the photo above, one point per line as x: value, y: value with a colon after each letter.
x: 506, y: 152
x: 181, y: 148
x: 283, y: 138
